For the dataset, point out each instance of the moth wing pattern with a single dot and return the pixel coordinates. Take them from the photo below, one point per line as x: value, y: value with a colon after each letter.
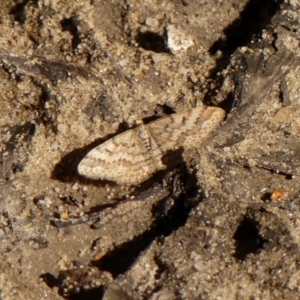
x: 185, y: 129
x: 135, y: 155
x: 124, y: 159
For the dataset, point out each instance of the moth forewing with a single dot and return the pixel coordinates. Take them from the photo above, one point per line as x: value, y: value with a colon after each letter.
x: 135, y: 155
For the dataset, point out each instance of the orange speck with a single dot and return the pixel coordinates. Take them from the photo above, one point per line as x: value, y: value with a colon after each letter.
x: 279, y: 195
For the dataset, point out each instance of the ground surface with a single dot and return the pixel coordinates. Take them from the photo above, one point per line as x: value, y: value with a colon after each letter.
x: 223, y: 224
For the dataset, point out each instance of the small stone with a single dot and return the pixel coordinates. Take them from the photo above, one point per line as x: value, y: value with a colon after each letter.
x: 75, y: 186
x: 178, y: 40
x: 152, y: 22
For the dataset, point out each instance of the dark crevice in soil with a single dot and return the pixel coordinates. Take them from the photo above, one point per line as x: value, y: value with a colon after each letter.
x: 160, y: 111
x: 119, y: 260
x: 152, y: 41
x: 50, y: 280
x: 228, y: 103
x: 91, y: 294
x: 170, y: 216
x: 71, y: 26
x: 247, y: 237
x: 18, y: 11
x: 255, y: 17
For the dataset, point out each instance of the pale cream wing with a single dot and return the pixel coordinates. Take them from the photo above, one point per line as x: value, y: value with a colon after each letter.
x: 125, y: 159
x: 185, y: 129
x: 133, y: 156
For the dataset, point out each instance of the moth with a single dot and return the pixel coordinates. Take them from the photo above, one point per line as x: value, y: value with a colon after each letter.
x: 135, y: 155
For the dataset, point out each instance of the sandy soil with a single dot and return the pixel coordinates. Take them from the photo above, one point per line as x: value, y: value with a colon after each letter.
x: 222, y: 224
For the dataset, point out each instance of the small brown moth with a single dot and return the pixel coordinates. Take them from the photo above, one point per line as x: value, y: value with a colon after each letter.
x: 135, y: 155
